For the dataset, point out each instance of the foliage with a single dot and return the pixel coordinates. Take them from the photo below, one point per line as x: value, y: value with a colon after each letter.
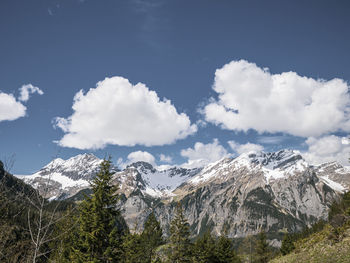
x: 225, y: 252
x: 15, y: 240
x: 152, y: 237
x: 204, y: 249
x: 133, y: 249
x: 142, y: 247
x: 262, y: 248
x: 66, y: 236
x: 318, y: 247
x: 181, y: 247
x: 246, y: 248
x: 99, y: 237
x: 287, y: 244
x: 339, y: 212
x: 209, y: 249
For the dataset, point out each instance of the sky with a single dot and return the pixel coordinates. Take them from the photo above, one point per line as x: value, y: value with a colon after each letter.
x: 173, y: 82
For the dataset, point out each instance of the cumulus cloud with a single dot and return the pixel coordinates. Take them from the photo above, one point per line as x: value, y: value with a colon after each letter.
x: 327, y: 149
x: 250, y: 97
x: 119, y: 113
x: 12, y: 109
x: 28, y: 89
x: 202, y: 154
x: 244, y: 148
x: 141, y: 156
x: 165, y: 158
x: 137, y: 156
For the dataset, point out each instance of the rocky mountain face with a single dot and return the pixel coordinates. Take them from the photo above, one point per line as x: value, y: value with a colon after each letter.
x: 238, y: 196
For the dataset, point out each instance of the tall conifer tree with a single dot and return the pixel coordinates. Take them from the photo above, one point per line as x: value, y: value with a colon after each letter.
x: 152, y: 237
x: 99, y: 238
x: 225, y: 252
x: 262, y: 248
x: 204, y: 249
x: 287, y: 244
x: 133, y: 249
x: 180, y: 238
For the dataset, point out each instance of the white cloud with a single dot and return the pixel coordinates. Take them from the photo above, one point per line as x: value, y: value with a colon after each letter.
x: 327, y: 149
x: 345, y: 140
x: 252, y: 98
x: 244, y: 148
x: 28, y: 89
x: 165, y: 158
x: 119, y: 113
x: 137, y: 156
x: 141, y: 156
x: 203, y: 154
x: 10, y: 109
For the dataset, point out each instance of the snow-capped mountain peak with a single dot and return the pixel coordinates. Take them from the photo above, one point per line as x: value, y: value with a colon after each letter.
x: 65, y: 177
x: 273, y: 165
x: 142, y: 167
x: 273, y: 160
x: 74, y: 174
x: 82, y: 166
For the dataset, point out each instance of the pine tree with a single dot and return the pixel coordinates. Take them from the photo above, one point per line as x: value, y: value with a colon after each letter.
x: 205, y: 249
x: 152, y: 237
x: 262, y: 248
x: 133, y: 249
x: 99, y: 238
x: 180, y: 243
x: 225, y: 252
x: 287, y: 244
x: 247, y: 248
x: 209, y: 249
x: 65, y: 233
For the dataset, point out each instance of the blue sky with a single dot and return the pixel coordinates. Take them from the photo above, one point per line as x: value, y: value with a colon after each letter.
x: 178, y: 50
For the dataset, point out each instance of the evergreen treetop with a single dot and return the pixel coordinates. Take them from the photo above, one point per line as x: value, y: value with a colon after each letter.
x: 99, y: 238
x: 180, y: 238
x: 152, y: 237
x: 262, y: 248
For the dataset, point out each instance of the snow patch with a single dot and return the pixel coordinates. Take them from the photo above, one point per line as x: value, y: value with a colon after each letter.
x: 65, y: 181
x: 334, y: 185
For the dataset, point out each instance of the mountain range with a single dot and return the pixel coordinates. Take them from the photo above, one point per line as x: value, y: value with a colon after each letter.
x: 276, y: 191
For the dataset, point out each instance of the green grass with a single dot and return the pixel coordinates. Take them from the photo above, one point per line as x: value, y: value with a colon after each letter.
x: 327, y: 246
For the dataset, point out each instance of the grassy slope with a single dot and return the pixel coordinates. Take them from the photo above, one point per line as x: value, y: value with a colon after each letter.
x: 321, y: 247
